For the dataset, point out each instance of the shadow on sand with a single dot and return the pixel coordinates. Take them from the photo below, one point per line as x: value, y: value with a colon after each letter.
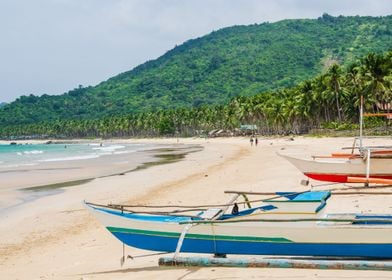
x: 187, y: 271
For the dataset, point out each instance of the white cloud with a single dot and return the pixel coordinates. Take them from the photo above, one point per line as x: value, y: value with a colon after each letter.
x: 51, y: 46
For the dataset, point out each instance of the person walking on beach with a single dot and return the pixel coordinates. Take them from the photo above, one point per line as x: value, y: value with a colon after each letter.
x: 251, y: 141
x: 256, y: 141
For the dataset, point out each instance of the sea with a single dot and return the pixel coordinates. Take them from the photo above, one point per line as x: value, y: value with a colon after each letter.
x: 32, y: 171
x: 15, y: 156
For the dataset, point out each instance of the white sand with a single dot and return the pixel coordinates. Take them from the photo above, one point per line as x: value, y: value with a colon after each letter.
x: 54, y: 237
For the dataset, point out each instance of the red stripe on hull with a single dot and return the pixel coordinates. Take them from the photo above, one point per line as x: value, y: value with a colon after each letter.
x: 341, y: 178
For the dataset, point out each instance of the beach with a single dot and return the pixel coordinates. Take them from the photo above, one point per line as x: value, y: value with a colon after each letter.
x: 54, y: 237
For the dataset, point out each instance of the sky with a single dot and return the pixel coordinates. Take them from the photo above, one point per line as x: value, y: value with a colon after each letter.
x: 52, y: 46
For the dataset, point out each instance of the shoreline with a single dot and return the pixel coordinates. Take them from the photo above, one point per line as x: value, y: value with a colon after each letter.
x: 57, y: 229
x: 158, y: 158
x: 154, y: 157
x: 120, y: 164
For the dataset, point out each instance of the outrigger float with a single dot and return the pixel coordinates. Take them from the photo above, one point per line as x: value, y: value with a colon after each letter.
x: 287, y: 224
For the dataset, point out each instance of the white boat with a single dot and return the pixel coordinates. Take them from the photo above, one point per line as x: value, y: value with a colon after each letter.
x: 347, y: 169
x: 288, y: 224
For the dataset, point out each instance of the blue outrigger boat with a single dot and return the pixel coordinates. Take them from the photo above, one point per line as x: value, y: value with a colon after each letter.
x: 291, y: 224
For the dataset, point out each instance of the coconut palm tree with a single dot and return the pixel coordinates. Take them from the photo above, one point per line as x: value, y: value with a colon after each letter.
x: 334, y: 80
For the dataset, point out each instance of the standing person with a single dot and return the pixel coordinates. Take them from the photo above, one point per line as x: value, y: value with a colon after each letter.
x: 256, y: 141
x: 251, y: 141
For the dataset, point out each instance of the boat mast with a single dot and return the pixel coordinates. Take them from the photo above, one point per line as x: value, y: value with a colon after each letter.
x: 361, y: 123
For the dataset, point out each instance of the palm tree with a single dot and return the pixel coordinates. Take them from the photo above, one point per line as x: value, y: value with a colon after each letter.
x: 334, y: 77
x: 354, y: 89
x: 374, y: 69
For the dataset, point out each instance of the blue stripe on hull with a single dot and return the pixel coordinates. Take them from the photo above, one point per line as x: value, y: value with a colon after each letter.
x: 168, y: 244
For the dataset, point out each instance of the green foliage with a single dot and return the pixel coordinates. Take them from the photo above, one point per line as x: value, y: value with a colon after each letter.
x: 340, y: 126
x: 214, y: 69
x: 373, y: 122
x: 330, y: 101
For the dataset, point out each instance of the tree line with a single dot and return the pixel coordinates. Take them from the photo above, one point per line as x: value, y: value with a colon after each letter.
x: 330, y: 99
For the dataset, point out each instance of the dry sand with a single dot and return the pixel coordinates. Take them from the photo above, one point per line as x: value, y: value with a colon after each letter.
x: 54, y: 237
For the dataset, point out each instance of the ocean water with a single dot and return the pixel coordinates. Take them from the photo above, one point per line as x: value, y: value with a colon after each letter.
x: 14, y: 156
x: 30, y: 172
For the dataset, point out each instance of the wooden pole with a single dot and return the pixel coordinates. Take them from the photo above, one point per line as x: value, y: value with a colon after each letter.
x: 361, y: 124
x: 294, y: 220
x: 368, y: 158
x: 343, y: 191
x: 369, y: 180
x: 276, y: 263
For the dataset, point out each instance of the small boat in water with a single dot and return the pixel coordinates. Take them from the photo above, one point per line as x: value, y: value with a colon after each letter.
x: 289, y: 223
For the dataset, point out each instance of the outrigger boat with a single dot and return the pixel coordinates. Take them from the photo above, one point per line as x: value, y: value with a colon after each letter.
x: 290, y: 223
x: 371, y: 164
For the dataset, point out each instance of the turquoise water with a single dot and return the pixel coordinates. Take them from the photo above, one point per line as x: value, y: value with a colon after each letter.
x: 12, y: 156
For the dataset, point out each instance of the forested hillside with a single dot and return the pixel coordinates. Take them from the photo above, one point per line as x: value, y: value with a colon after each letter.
x: 231, y: 62
x: 329, y: 100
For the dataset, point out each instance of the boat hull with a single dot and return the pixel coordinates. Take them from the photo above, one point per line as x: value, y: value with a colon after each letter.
x: 162, y: 233
x: 341, y: 169
x: 341, y: 178
x: 163, y: 243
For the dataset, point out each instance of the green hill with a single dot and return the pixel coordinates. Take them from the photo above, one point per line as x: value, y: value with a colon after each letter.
x: 239, y: 60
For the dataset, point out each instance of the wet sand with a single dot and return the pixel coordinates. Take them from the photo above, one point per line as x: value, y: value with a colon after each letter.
x: 26, y: 183
x: 54, y: 237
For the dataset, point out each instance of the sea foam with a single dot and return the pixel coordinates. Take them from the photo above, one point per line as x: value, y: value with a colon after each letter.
x: 111, y: 148
x: 70, y: 158
x: 33, y: 152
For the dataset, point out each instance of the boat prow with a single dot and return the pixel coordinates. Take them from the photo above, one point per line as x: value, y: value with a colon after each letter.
x: 343, y: 169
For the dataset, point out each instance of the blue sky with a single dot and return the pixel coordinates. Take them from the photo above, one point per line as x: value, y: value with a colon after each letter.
x: 52, y: 46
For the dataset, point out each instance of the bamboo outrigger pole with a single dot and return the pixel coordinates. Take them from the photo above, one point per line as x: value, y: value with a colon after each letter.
x: 277, y: 263
x: 333, y: 191
x: 369, y: 180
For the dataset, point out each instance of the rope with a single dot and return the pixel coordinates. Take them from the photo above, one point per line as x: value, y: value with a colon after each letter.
x: 191, y: 207
x: 213, y: 236
x: 116, y: 206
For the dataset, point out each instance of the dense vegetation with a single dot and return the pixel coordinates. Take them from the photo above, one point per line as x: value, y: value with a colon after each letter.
x: 331, y: 98
x: 214, y: 69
